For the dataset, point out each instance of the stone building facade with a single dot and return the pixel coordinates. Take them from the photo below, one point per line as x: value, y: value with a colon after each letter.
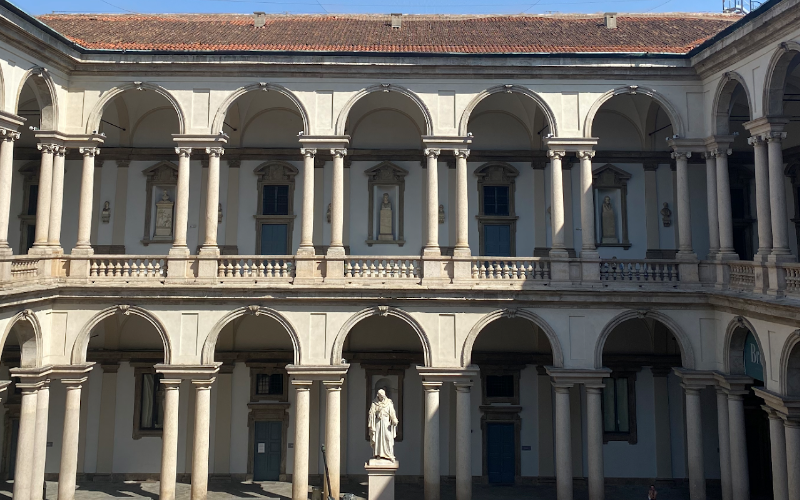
x: 565, y: 246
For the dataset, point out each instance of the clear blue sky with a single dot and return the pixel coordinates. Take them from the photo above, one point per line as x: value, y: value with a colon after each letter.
x: 368, y: 6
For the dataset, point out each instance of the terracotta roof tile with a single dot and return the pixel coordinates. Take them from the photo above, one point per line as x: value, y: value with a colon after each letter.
x: 666, y: 33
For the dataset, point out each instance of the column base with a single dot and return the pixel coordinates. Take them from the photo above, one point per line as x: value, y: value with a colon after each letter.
x: 723, y: 271
x: 776, y: 274
x: 334, y: 265
x: 381, y: 474
x: 590, y: 266
x: 177, y: 264
x: 208, y: 263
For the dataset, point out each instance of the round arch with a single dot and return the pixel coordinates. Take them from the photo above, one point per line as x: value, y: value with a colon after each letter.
x: 93, y: 122
x: 776, y: 78
x: 31, y: 344
x: 672, y: 113
x: 338, y: 343
x: 469, y: 342
x: 684, y: 342
x: 734, y: 342
x: 81, y: 344
x: 514, y: 117
x: 210, y: 344
x: 341, y: 120
x: 222, y: 111
x: 791, y: 343
x: 45, y: 91
x: 720, y: 112
x: 508, y: 89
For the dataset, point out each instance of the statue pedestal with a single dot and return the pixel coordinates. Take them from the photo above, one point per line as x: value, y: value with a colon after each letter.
x: 381, y: 478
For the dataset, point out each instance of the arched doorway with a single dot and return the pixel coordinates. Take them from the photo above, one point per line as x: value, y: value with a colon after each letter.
x: 515, y: 404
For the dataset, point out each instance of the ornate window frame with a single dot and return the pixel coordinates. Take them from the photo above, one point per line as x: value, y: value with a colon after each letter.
x: 386, y: 173
x: 139, y: 370
x: 611, y: 177
x: 398, y: 370
x: 493, y: 370
x: 162, y: 174
x: 631, y: 436
x: 497, y: 173
x: 256, y: 369
x: 275, y: 173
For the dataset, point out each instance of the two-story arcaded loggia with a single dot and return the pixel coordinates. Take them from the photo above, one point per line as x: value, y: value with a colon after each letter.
x: 564, y: 245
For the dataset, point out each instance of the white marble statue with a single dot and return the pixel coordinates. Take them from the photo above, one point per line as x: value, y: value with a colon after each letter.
x: 382, y: 424
x: 609, y: 223
x: 385, y: 226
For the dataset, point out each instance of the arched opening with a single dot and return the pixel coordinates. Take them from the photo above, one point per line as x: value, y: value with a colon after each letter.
x: 732, y: 112
x: 514, y: 400
x: 745, y: 358
x: 642, y: 403
x: 632, y: 169
x: 508, y: 127
x: 793, y: 372
x: 384, y: 155
x: 253, y: 397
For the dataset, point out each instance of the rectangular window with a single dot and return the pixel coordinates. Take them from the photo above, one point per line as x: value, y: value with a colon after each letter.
x: 616, y: 408
x: 497, y: 240
x: 738, y: 204
x: 269, y: 385
x: 152, y: 402
x: 495, y: 200
x: 499, y: 386
x: 276, y: 200
x: 33, y: 198
x: 274, y: 239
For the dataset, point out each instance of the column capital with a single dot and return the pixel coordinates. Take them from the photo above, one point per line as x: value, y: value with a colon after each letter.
x: 785, y: 407
x: 430, y: 386
x: 171, y: 383
x: 756, y: 140
x: 308, y: 152
x: 455, y: 375
x: 215, y: 152
x: 681, y: 155
x: 322, y: 372
x: 463, y: 386
x: 302, y: 385
x: 569, y: 377
x: 695, y: 379
x: 733, y: 385
x: 432, y: 153
x: 556, y: 155
x: 203, y: 383
x: 772, y: 414
x: 8, y: 134
x: 188, y: 372
x: 339, y: 152
x: 717, y: 152
x: 585, y: 155
x: 651, y: 166
x: 461, y: 153
x: 183, y: 152
x: 89, y: 151
x: 333, y: 385
x: 774, y: 136
x: 47, y: 147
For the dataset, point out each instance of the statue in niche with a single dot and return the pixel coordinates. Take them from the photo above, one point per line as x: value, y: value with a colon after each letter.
x: 609, y: 223
x: 385, y: 232
x: 666, y: 215
x: 164, y: 217
x: 382, y: 424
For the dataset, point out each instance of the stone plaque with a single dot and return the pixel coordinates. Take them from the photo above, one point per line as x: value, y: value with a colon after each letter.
x: 164, y: 218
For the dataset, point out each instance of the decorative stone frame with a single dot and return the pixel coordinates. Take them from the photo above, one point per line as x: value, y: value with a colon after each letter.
x: 610, y: 177
x: 506, y: 414
x: 140, y: 369
x: 162, y: 174
x: 267, y: 412
x: 386, y: 173
x: 30, y: 177
x: 493, y: 370
x: 399, y: 371
x: 497, y: 174
x: 257, y: 369
x: 275, y: 173
x: 631, y: 436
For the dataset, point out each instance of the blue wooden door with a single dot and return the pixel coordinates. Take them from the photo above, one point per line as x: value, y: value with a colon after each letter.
x: 267, y: 452
x: 500, y: 453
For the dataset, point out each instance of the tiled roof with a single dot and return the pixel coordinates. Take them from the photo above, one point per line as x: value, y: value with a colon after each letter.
x: 663, y: 33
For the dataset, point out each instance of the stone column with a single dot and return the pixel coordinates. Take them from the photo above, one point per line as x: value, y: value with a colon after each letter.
x: 724, y: 444
x: 777, y: 194
x: 333, y: 426
x: 40, y: 440
x: 337, y: 202
x: 713, y: 213
x: 684, y: 210
x: 462, y: 204
x: 594, y: 415
x: 432, y: 244
x: 563, y: 442
x: 557, y: 205
x: 182, y: 201
x: 762, y: 197
x: 301, y: 438
x: 7, y: 138
x: 169, y: 438
x: 45, y: 192
x: 202, y: 421
x: 777, y: 440
x: 792, y: 430
x: 26, y: 437
x: 56, y: 199
x: 587, y: 203
x: 307, y: 227
x: 463, y: 441
x: 694, y: 442
x: 87, y: 202
x: 740, y: 475
x: 724, y: 203
x: 432, y: 476
x: 212, y: 200
x: 69, y: 439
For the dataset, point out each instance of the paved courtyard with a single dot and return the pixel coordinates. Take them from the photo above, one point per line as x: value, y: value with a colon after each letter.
x: 283, y: 491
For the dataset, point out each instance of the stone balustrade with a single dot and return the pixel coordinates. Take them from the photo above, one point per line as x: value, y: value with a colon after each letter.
x: 127, y: 267
x: 653, y: 271
x: 484, y: 268
x: 254, y: 267
x: 742, y: 275
x: 406, y: 268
